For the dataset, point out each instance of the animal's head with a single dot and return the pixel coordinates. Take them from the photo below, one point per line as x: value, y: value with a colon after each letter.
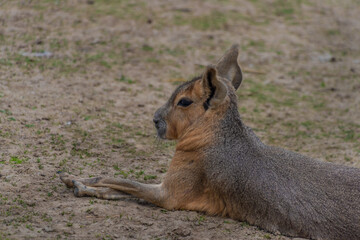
x: 191, y: 101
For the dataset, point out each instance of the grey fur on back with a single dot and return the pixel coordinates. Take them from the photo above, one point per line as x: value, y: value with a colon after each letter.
x: 280, y: 190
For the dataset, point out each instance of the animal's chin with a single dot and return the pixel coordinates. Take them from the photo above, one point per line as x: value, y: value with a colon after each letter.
x: 162, y: 137
x: 161, y: 133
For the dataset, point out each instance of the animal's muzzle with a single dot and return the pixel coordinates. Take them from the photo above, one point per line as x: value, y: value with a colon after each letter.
x: 157, y: 122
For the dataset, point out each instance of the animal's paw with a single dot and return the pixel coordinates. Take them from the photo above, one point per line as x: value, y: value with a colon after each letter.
x: 67, y: 179
x: 79, y: 189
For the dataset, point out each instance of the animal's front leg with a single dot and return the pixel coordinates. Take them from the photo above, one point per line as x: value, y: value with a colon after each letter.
x: 81, y: 190
x: 154, y: 193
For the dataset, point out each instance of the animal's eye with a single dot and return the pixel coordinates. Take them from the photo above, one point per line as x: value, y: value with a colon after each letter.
x: 184, y: 102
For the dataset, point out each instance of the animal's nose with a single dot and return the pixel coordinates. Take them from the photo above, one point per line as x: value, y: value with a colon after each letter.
x: 157, y: 118
x: 156, y: 121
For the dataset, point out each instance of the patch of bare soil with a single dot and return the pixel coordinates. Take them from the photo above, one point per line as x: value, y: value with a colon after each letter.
x: 80, y: 81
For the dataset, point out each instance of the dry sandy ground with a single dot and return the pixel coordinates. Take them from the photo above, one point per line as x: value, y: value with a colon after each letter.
x: 87, y: 109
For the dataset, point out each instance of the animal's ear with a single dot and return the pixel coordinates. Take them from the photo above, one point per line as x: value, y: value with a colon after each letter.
x: 229, y: 68
x: 216, y: 90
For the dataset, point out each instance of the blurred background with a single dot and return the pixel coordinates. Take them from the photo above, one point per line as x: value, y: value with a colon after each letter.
x: 81, y: 79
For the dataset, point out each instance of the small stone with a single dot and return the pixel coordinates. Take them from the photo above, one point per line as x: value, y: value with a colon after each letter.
x: 45, y: 54
x: 182, y: 232
x: 48, y: 229
x: 325, y: 57
x: 146, y: 223
x: 9, y: 177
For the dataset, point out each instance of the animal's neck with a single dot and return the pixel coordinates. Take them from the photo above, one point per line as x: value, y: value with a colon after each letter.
x: 198, y: 136
x: 231, y: 131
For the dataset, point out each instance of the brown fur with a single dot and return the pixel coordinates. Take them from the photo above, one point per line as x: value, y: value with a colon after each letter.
x: 179, y: 118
